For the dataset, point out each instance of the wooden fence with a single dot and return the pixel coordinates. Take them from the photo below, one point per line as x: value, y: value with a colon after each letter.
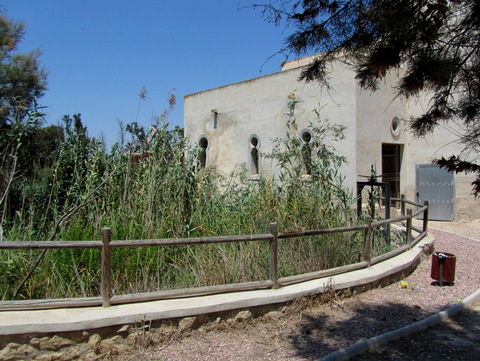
x: 106, y: 244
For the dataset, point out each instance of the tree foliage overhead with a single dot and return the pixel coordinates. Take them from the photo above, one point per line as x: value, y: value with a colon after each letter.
x: 437, y: 42
x: 22, y: 79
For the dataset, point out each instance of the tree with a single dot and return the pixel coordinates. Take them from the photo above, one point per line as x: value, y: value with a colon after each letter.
x: 436, y: 41
x: 22, y: 82
x: 22, y: 79
x: 45, y: 147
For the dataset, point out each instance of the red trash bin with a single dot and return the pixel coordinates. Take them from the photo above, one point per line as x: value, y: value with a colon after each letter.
x: 443, y: 267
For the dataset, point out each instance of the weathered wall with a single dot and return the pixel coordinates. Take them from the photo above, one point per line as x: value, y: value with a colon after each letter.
x: 442, y: 142
x: 260, y: 107
x: 375, y: 112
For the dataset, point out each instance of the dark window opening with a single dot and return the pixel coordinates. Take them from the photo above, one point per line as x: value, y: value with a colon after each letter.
x: 202, y: 156
x: 307, y: 152
x: 254, y: 157
x: 215, y: 119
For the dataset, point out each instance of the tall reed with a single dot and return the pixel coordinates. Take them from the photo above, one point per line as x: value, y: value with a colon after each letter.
x: 151, y: 187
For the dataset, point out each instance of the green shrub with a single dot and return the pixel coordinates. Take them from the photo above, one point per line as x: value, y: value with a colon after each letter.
x: 160, y: 193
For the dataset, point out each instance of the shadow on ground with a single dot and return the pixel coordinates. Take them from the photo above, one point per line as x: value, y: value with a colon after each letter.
x: 456, y: 339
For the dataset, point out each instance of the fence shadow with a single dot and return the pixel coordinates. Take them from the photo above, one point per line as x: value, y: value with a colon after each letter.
x: 321, y: 334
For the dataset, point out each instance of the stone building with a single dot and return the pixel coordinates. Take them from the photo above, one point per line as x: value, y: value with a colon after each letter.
x: 236, y: 123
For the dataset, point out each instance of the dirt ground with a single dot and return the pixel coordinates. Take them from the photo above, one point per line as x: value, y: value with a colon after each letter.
x: 455, y: 339
x: 310, y: 329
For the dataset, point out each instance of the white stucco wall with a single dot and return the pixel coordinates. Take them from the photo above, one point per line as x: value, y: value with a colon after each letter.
x: 443, y: 142
x: 260, y: 106
x: 375, y: 112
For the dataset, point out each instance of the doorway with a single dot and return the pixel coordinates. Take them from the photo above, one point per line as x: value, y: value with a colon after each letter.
x: 391, y: 167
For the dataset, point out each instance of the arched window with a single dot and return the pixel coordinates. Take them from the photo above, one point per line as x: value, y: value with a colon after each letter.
x: 306, y: 137
x: 203, y: 152
x: 254, y: 156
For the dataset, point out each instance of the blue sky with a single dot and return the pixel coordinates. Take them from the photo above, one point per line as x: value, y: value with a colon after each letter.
x: 99, y: 54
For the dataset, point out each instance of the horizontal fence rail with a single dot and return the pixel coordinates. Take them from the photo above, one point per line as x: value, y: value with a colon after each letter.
x: 105, y: 246
x: 50, y: 244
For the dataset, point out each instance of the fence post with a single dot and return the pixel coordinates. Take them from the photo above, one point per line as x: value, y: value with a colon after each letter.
x: 409, y: 228
x: 402, y: 204
x: 106, y: 285
x: 273, y: 254
x: 425, y: 216
x: 367, y: 241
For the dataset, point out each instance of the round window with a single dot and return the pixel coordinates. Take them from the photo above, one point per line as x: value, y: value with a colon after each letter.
x: 395, y: 125
x: 306, y: 136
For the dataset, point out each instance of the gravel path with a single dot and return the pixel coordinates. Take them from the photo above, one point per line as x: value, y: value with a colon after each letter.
x: 310, y: 329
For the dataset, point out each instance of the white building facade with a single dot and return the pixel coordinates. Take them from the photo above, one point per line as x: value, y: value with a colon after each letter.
x: 235, y: 124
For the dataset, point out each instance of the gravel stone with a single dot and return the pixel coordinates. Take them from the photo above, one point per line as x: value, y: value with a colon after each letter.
x: 310, y: 329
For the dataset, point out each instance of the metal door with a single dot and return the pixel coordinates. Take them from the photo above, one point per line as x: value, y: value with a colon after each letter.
x: 436, y: 185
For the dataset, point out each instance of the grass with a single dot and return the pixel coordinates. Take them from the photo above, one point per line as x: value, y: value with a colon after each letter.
x: 164, y: 194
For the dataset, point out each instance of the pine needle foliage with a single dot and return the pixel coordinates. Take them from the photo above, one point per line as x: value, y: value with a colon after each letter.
x: 433, y: 44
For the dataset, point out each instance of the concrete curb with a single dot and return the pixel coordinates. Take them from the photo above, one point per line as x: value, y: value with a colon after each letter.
x: 377, y: 341
x: 79, y: 319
